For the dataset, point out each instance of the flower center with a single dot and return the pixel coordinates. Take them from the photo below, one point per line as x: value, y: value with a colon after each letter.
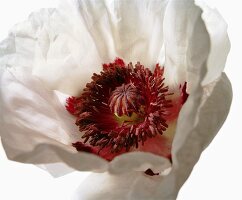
x: 121, y: 108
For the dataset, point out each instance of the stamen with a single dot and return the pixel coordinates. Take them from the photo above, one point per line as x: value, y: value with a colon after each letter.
x: 121, y: 108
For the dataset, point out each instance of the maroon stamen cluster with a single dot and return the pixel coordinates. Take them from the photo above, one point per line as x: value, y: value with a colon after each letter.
x: 120, y: 91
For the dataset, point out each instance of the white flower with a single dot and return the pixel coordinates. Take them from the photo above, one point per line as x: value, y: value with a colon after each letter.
x: 54, y: 53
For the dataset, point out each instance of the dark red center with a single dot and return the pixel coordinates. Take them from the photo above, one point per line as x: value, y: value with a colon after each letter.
x: 121, y: 108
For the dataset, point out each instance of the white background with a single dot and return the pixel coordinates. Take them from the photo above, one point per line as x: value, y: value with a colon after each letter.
x: 217, y: 176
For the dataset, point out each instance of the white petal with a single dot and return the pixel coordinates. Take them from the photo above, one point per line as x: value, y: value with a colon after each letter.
x: 134, y: 161
x: 220, y: 44
x: 199, y: 121
x: 47, y: 44
x: 35, y: 128
x: 65, y: 55
x: 56, y: 169
x: 27, y: 103
x: 130, y: 186
x: 186, y: 43
x: 132, y: 30
x: 195, y: 47
x: 138, y: 161
x: 80, y: 35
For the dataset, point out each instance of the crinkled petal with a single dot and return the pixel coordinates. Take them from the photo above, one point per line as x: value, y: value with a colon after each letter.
x: 138, y: 161
x: 26, y: 103
x: 53, y: 49
x: 200, y: 120
x: 220, y: 44
x: 80, y: 35
x: 64, y: 52
x: 56, y: 169
x: 19, y: 48
x: 34, y: 126
x: 129, y: 186
x: 132, y: 30
x: 193, y: 32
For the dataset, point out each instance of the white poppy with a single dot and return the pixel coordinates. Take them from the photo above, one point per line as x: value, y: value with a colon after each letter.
x: 148, y: 134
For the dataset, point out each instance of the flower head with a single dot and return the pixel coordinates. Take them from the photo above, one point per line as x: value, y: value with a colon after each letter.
x: 136, y: 116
